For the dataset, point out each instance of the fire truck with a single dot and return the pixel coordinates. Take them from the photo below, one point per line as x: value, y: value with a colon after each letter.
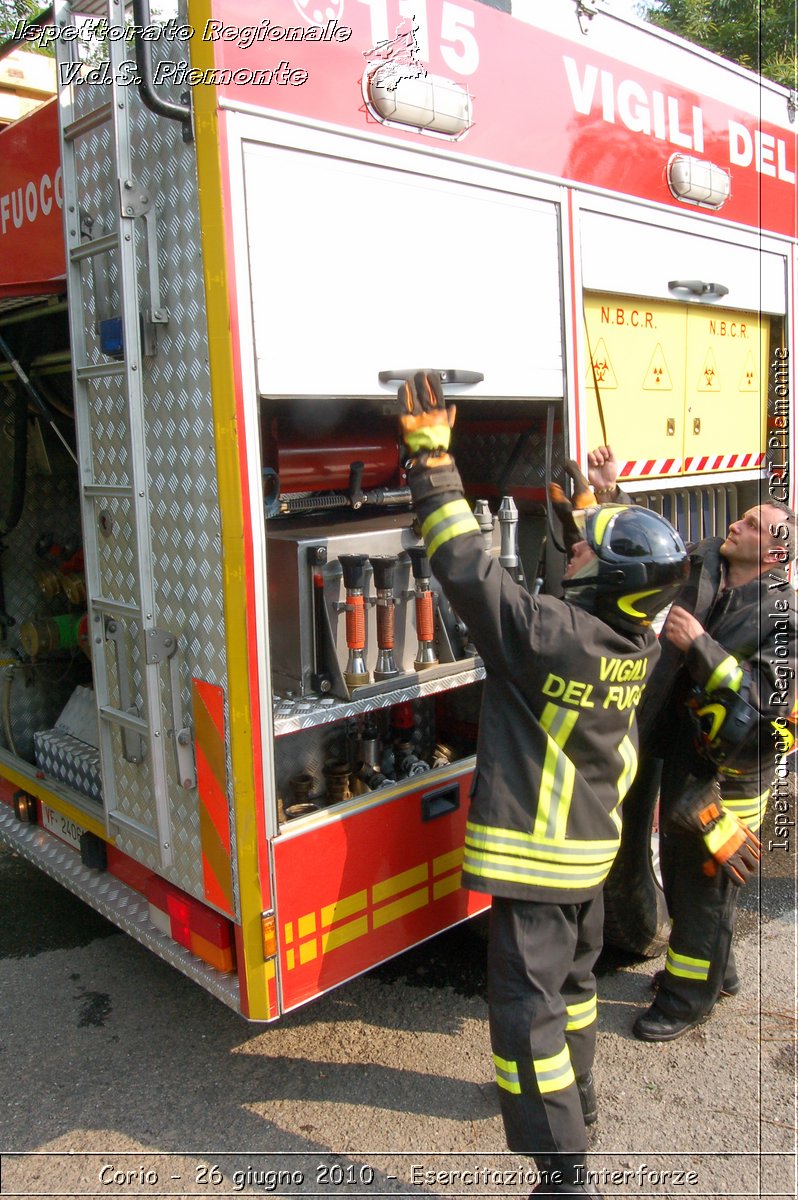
x: 238, y: 716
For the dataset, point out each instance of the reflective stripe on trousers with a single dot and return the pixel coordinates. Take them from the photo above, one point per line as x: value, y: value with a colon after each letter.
x: 542, y: 1010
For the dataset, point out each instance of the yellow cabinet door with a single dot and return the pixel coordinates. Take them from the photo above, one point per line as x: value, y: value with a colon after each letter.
x: 636, y: 359
x: 725, y: 391
x: 682, y: 389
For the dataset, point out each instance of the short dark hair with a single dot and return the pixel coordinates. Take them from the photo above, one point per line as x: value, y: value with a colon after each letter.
x: 785, y: 539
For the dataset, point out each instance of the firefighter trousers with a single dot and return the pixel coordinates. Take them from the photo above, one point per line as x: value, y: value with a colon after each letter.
x: 703, y: 911
x: 702, y: 908
x: 542, y: 1010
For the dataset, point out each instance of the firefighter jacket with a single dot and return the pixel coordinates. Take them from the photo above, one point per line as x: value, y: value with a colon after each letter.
x: 557, y: 743
x: 748, y: 648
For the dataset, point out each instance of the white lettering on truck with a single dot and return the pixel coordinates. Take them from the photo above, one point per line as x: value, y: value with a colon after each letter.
x: 654, y: 114
x: 30, y: 200
x: 768, y: 154
x: 666, y: 118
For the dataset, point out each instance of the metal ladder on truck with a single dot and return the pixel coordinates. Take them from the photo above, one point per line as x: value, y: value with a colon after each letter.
x: 128, y: 648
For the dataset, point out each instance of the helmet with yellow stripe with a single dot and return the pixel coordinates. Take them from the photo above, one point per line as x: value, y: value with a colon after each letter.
x: 639, y: 566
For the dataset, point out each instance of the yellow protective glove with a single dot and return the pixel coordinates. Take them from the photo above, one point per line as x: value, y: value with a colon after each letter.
x: 582, y: 497
x: 426, y: 420
x: 731, y: 844
x: 734, y: 848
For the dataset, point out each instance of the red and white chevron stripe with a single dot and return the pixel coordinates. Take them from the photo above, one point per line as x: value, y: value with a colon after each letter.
x: 641, y: 468
x: 724, y: 462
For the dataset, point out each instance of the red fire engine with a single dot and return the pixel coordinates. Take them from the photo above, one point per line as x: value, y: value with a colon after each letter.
x: 238, y: 716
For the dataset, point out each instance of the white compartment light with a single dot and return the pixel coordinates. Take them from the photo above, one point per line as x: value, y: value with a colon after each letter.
x: 407, y: 95
x: 697, y: 182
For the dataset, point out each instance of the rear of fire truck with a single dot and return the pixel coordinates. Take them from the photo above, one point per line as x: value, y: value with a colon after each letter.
x: 238, y: 715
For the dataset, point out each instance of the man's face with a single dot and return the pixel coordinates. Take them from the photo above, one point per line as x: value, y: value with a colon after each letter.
x: 749, y: 539
x: 581, y: 555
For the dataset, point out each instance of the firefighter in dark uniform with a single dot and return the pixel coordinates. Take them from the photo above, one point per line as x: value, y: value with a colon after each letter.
x: 556, y: 753
x: 716, y: 721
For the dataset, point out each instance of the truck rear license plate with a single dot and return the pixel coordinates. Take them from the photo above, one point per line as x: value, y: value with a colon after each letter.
x: 61, y: 826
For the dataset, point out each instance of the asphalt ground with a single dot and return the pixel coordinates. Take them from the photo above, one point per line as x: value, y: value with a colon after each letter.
x: 122, y: 1078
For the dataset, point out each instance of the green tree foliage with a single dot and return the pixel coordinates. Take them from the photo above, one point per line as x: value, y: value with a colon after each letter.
x: 12, y: 11
x: 758, y: 34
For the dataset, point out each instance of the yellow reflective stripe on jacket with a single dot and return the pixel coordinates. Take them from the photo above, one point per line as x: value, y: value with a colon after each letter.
x: 615, y: 817
x: 555, y: 1073
x: 557, y: 780
x: 581, y: 1015
x: 751, y: 810
x: 687, y: 968
x: 507, y: 1074
x: 447, y: 522
x: 514, y: 857
x: 525, y: 845
x: 509, y: 870
x: 727, y: 674
x: 486, y: 842
x: 628, y: 754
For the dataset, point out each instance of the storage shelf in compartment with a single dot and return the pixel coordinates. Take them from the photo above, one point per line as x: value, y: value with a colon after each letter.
x: 294, y: 714
x: 428, y: 781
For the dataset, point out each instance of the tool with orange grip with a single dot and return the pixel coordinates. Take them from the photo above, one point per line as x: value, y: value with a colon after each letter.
x: 426, y: 654
x: 354, y: 569
x: 384, y: 566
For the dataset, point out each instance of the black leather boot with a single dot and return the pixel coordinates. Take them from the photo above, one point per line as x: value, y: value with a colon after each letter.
x: 655, y: 1025
x: 587, y: 1097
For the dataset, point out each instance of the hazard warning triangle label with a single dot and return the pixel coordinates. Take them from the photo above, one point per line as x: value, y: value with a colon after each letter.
x: 601, y: 371
x: 749, y: 381
x: 657, y: 377
x: 709, y: 379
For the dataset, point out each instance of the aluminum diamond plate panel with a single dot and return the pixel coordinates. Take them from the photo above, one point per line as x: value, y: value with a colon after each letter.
x: 69, y: 760
x: 184, y: 531
x: 109, y: 896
